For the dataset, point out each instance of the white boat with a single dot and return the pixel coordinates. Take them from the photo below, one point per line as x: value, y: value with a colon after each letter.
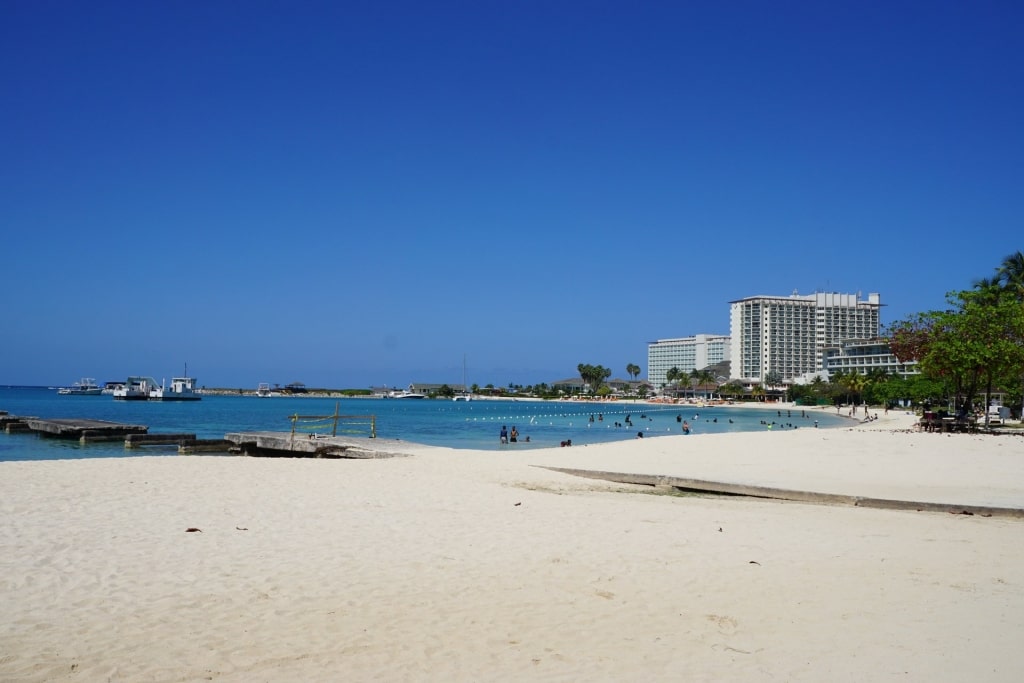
x: 84, y: 387
x: 465, y: 395
x: 181, y: 389
x: 406, y: 394
x: 264, y: 390
x: 137, y: 388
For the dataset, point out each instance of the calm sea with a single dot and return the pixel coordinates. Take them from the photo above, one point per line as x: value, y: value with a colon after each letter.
x: 457, y: 424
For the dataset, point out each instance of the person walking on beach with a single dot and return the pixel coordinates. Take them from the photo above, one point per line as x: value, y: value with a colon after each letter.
x: 503, y: 435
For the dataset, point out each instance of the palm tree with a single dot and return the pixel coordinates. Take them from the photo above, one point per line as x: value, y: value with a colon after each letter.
x: 732, y: 388
x: 707, y: 379
x: 694, y: 381
x: 633, y: 370
x: 1011, y: 274
x: 672, y: 375
x: 855, y: 384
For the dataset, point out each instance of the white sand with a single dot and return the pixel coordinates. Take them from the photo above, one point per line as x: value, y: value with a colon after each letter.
x: 478, y: 566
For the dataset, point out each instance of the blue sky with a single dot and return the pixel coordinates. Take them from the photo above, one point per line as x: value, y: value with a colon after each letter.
x: 352, y: 194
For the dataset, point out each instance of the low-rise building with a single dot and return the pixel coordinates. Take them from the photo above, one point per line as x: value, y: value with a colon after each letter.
x: 685, y: 354
x: 864, y: 356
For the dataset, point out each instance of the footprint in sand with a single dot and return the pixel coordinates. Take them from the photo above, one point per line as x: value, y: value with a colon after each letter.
x: 726, y: 625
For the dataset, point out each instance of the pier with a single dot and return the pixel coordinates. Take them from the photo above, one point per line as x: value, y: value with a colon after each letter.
x: 290, y: 444
x: 296, y: 443
x: 83, y: 430
x: 12, y: 424
x: 186, y: 443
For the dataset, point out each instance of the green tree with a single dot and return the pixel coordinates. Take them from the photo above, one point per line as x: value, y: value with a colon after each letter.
x: 706, y: 382
x: 693, y: 381
x: 593, y: 375
x: 633, y: 370
x: 1010, y: 275
x: 733, y: 389
x: 854, y: 383
x: 977, y: 342
x: 673, y: 375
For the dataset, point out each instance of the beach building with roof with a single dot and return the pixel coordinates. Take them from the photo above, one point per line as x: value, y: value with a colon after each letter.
x: 788, y: 335
x: 864, y: 356
x: 685, y: 354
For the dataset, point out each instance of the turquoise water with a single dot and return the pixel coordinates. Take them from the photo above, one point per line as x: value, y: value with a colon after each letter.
x: 457, y: 424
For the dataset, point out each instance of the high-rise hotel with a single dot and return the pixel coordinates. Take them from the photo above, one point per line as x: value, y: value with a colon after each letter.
x: 788, y: 335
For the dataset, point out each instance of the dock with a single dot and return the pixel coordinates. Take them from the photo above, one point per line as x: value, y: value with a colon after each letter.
x: 13, y: 424
x: 292, y: 445
x: 264, y: 444
x: 187, y: 443
x: 83, y: 430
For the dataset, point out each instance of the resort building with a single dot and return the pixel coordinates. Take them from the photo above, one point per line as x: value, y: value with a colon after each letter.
x: 686, y: 354
x: 864, y: 356
x: 788, y: 336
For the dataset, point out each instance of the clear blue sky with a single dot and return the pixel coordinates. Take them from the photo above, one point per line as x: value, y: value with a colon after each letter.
x: 350, y: 194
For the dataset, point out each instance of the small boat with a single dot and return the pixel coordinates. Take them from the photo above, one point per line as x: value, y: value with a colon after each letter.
x: 264, y: 390
x: 406, y: 394
x: 465, y: 395
x: 137, y: 388
x: 84, y: 387
x: 181, y: 389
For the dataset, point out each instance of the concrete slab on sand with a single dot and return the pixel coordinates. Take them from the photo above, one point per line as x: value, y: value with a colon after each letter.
x: 973, y: 472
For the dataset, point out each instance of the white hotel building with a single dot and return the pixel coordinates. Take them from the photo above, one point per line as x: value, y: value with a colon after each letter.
x: 686, y: 354
x: 789, y: 335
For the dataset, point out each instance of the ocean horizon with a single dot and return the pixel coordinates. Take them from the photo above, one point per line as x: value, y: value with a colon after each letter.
x: 436, y: 422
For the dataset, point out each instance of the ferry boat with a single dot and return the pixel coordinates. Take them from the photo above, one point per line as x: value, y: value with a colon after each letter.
x: 84, y: 387
x: 137, y: 388
x: 181, y: 389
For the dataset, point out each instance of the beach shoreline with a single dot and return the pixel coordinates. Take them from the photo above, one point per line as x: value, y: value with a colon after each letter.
x: 463, y: 565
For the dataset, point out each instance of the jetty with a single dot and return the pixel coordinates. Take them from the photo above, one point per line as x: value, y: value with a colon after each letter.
x: 84, y: 430
x: 293, y: 445
x: 311, y: 436
x: 187, y: 443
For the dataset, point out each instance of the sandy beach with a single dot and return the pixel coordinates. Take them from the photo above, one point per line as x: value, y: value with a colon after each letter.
x: 455, y: 565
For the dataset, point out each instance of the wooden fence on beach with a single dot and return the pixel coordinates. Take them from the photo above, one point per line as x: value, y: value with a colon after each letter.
x: 353, y: 425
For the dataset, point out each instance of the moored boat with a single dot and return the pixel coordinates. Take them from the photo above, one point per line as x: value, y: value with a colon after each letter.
x: 84, y: 387
x: 137, y: 388
x: 405, y: 394
x: 181, y: 389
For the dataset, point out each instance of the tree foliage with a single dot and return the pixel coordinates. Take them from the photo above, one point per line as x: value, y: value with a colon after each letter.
x: 593, y: 375
x: 633, y: 370
x: 976, y: 344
